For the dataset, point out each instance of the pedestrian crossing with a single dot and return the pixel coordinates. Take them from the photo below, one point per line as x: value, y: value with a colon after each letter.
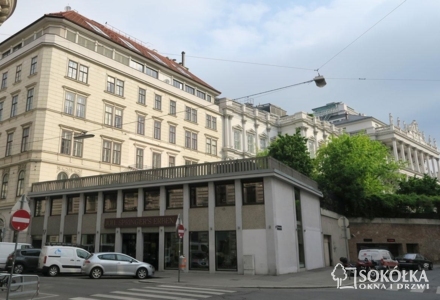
x: 163, y: 292
x: 430, y: 290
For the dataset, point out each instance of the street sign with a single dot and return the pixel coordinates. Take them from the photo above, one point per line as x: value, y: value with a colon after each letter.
x: 180, y: 230
x: 20, y: 220
x: 343, y: 222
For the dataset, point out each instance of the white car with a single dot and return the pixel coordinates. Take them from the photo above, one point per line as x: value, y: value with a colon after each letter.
x: 101, y: 264
x: 54, y: 260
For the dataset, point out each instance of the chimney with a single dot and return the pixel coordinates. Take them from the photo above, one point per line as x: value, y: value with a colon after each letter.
x: 68, y: 8
x: 183, y: 58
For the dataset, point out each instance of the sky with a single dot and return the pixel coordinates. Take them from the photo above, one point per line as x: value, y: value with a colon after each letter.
x: 378, y: 56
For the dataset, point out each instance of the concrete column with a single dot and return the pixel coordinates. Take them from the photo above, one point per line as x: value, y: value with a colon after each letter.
x: 410, y: 158
x: 271, y: 236
x: 239, y: 224
x: 211, y: 226
x: 139, y: 235
x: 62, y: 218
x: 162, y: 206
x: 402, y: 152
x: 433, y: 166
x: 244, y: 138
x: 396, y: 156
x: 185, y: 213
x: 257, y: 139
x: 438, y: 168
x: 423, y: 169
x: 81, y: 209
x: 118, y: 234
x: 46, y: 218
x: 225, y: 130
x: 98, y: 221
x: 416, y: 154
x: 230, y: 133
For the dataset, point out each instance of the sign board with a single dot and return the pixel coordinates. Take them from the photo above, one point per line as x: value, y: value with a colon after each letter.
x: 391, y: 240
x: 20, y: 220
x: 279, y: 227
x: 180, y: 230
x: 343, y: 222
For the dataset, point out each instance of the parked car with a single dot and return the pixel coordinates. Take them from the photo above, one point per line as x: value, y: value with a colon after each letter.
x: 26, y: 260
x: 101, y: 264
x: 8, y: 248
x: 375, y: 259
x: 54, y: 260
x: 414, y: 261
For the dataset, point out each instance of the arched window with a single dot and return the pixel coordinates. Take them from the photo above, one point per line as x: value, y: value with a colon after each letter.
x: 20, y: 183
x: 74, y: 176
x: 4, y: 190
x: 62, y: 176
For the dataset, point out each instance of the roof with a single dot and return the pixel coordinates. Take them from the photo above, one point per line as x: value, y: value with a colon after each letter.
x: 348, y: 119
x: 127, y: 43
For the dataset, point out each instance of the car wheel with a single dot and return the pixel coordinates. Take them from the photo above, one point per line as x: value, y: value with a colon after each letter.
x: 18, y: 269
x: 426, y: 266
x: 142, y: 273
x: 53, y: 271
x: 430, y: 267
x: 96, y: 273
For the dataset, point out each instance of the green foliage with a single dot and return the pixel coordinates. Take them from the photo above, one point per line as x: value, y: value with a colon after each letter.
x: 292, y: 151
x: 350, y: 169
x: 263, y: 153
x: 421, y: 186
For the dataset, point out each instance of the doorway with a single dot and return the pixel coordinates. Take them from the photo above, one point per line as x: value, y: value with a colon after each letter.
x: 129, y: 244
x: 151, y: 249
x: 328, y: 250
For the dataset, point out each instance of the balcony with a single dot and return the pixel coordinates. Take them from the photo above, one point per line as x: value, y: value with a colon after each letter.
x: 199, y: 171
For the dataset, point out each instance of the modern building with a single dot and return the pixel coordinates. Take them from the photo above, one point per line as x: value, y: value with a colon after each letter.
x: 250, y: 216
x: 407, y: 142
x: 248, y: 129
x: 66, y: 77
x: 7, y: 8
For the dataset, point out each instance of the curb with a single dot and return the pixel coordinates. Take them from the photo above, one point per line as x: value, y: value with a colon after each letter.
x: 244, y: 286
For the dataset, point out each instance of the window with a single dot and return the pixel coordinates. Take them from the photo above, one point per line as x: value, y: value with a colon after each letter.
x: 199, y: 250
x: 172, y: 107
x: 178, y: 84
x: 91, y: 206
x: 110, y: 202
x: 189, y: 89
x: 191, y: 140
x: 56, y: 205
x: 198, y: 196
x: 14, y: 106
x: 191, y: 114
x: 62, y: 176
x: 20, y: 183
x: 141, y: 96
x: 111, y: 156
x: 75, y: 104
x: 33, y: 65
x: 251, y: 144
x: 157, y: 157
x: 172, y: 136
x: 237, y: 140
x: 4, y: 191
x: 110, y: 84
x: 137, y: 65
x: 107, y: 243
x: 208, y: 98
x: 18, y: 74
x: 130, y: 200
x: 139, y: 158
x: 157, y: 125
x: 190, y: 162
x: 1, y: 111
x: 263, y: 144
x: 66, y: 144
x: 174, y: 197
x: 72, y: 204
x: 9, y: 139
x: 72, y: 70
x: 253, y: 192
x: 211, y: 146
x: 25, y: 139
x: 113, y: 116
x: 29, y: 99
x: 83, y: 73
x: 225, y: 193
x: 4, y: 80
x: 40, y: 207
x: 172, y: 161
x: 225, y: 250
x: 151, y: 199
x: 151, y: 72
x: 211, y: 122
x: 141, y: 125
x: 158, y: 102
x: 119, y: 87
x: 201, y: 95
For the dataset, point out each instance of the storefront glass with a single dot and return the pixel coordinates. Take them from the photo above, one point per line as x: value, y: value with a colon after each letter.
x: 88, y: 242
x: 172, y: 250
x: 107, y: 243
x: 199, y: 250
x: 151, y: 249
x: 226, y: 250
x: 129, y: 244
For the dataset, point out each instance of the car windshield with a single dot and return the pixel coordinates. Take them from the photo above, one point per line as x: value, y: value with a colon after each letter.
x: 409, y: 256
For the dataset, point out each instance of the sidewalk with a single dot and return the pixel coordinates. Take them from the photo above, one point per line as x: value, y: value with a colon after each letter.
x: 313, y: 279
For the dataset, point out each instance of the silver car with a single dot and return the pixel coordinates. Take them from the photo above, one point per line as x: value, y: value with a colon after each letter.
x: 112, y: 263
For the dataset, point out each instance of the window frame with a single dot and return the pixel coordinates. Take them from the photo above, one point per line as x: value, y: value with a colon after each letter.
x: 140, y: 128
x: 71, y: 210
x: 33, y: 69
x: 218, y: 193
x: 29, y: 99
x: 4, y: 83
x: 14, y: 105
x: 168, y: 195
x: 113, y: 202
x: 157, y: 129
x: 142, y: 95
x: 24, y: 139
x: 4, y: 189
x: 135, y: 195
x: 173, y: 107
x: 246, y: 192
x: 58, y: 213
x: 194, y: 195
x: 9, y: 141
x: 18, y: 73
x: 154, y: 206
x: 157, y: 102
x: 139, y: 158
x: 156, y: 160
x: 88, y: 199
x: 172, y: 134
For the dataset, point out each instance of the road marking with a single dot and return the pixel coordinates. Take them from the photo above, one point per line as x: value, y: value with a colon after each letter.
x: 147, y: 294
x: 82, y: 298
x: 417, y: 291
x: 179, y: 289
x: 393, y: 288
x: 438, y: 290
x: 154, y: 292
x: 198, y: 289
x: 107, y: 296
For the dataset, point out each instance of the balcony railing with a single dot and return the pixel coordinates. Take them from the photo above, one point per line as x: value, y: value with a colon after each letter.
x: 179, y: 172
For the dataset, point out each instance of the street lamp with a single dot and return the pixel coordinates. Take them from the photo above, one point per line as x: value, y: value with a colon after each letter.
x: 319, y: 81
x: 83, y: 136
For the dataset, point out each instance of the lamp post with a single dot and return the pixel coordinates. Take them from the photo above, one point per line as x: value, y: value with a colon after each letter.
x: 83, y: 135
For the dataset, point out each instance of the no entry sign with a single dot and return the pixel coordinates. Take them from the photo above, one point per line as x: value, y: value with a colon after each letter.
x: 20, y: 220
x: 180, y: 230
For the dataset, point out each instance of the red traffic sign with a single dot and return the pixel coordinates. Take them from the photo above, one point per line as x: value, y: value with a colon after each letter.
x: 20, y: 220
x: 180, y: 230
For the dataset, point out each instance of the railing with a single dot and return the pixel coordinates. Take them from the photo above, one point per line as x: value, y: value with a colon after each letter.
x: 186, y: 171
x: 22, y: 285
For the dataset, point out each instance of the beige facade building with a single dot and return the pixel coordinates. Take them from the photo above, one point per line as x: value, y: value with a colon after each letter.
x: 65, y: 75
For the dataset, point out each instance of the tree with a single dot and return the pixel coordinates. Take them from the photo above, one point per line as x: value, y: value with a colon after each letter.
x: 349, y: 169
x: 292, y: 151
x: 421, y: 186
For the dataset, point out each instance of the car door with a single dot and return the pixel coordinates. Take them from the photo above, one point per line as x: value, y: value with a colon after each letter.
x: 79, y: 259
x: 108, y: 263
x: 31, y: 258
x: 126, y: 265
x: 420, y: 260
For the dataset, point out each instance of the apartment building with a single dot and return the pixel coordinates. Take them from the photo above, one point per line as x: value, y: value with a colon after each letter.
x: 406, y: 142
x: 78, y: 98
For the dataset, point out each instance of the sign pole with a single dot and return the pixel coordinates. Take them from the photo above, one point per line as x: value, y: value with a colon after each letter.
x: 178, y: 267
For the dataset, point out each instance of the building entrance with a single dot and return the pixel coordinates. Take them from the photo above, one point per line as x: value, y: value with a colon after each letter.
x: 151, y: 249
x: 129, y: 244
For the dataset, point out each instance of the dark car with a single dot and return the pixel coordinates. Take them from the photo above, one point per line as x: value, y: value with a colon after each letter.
x: 414, y: 261
x: 26, y: 260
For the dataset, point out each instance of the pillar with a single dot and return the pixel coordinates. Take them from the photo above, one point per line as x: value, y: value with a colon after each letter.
x: 422, y: 162
x: 416, y: 152
x: 402, y: 151
x: 63, y: 217
x: 162, y: 206
x: 98, y: 221
x: 225, y: 129
x: 239, y: 225
x: 396, y: 157
x: 433, y: 166
x: 410, y: 158
x: 82, y: 202
x: 118, y: 234
x: 211, y: 225
x: 139, y: 235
